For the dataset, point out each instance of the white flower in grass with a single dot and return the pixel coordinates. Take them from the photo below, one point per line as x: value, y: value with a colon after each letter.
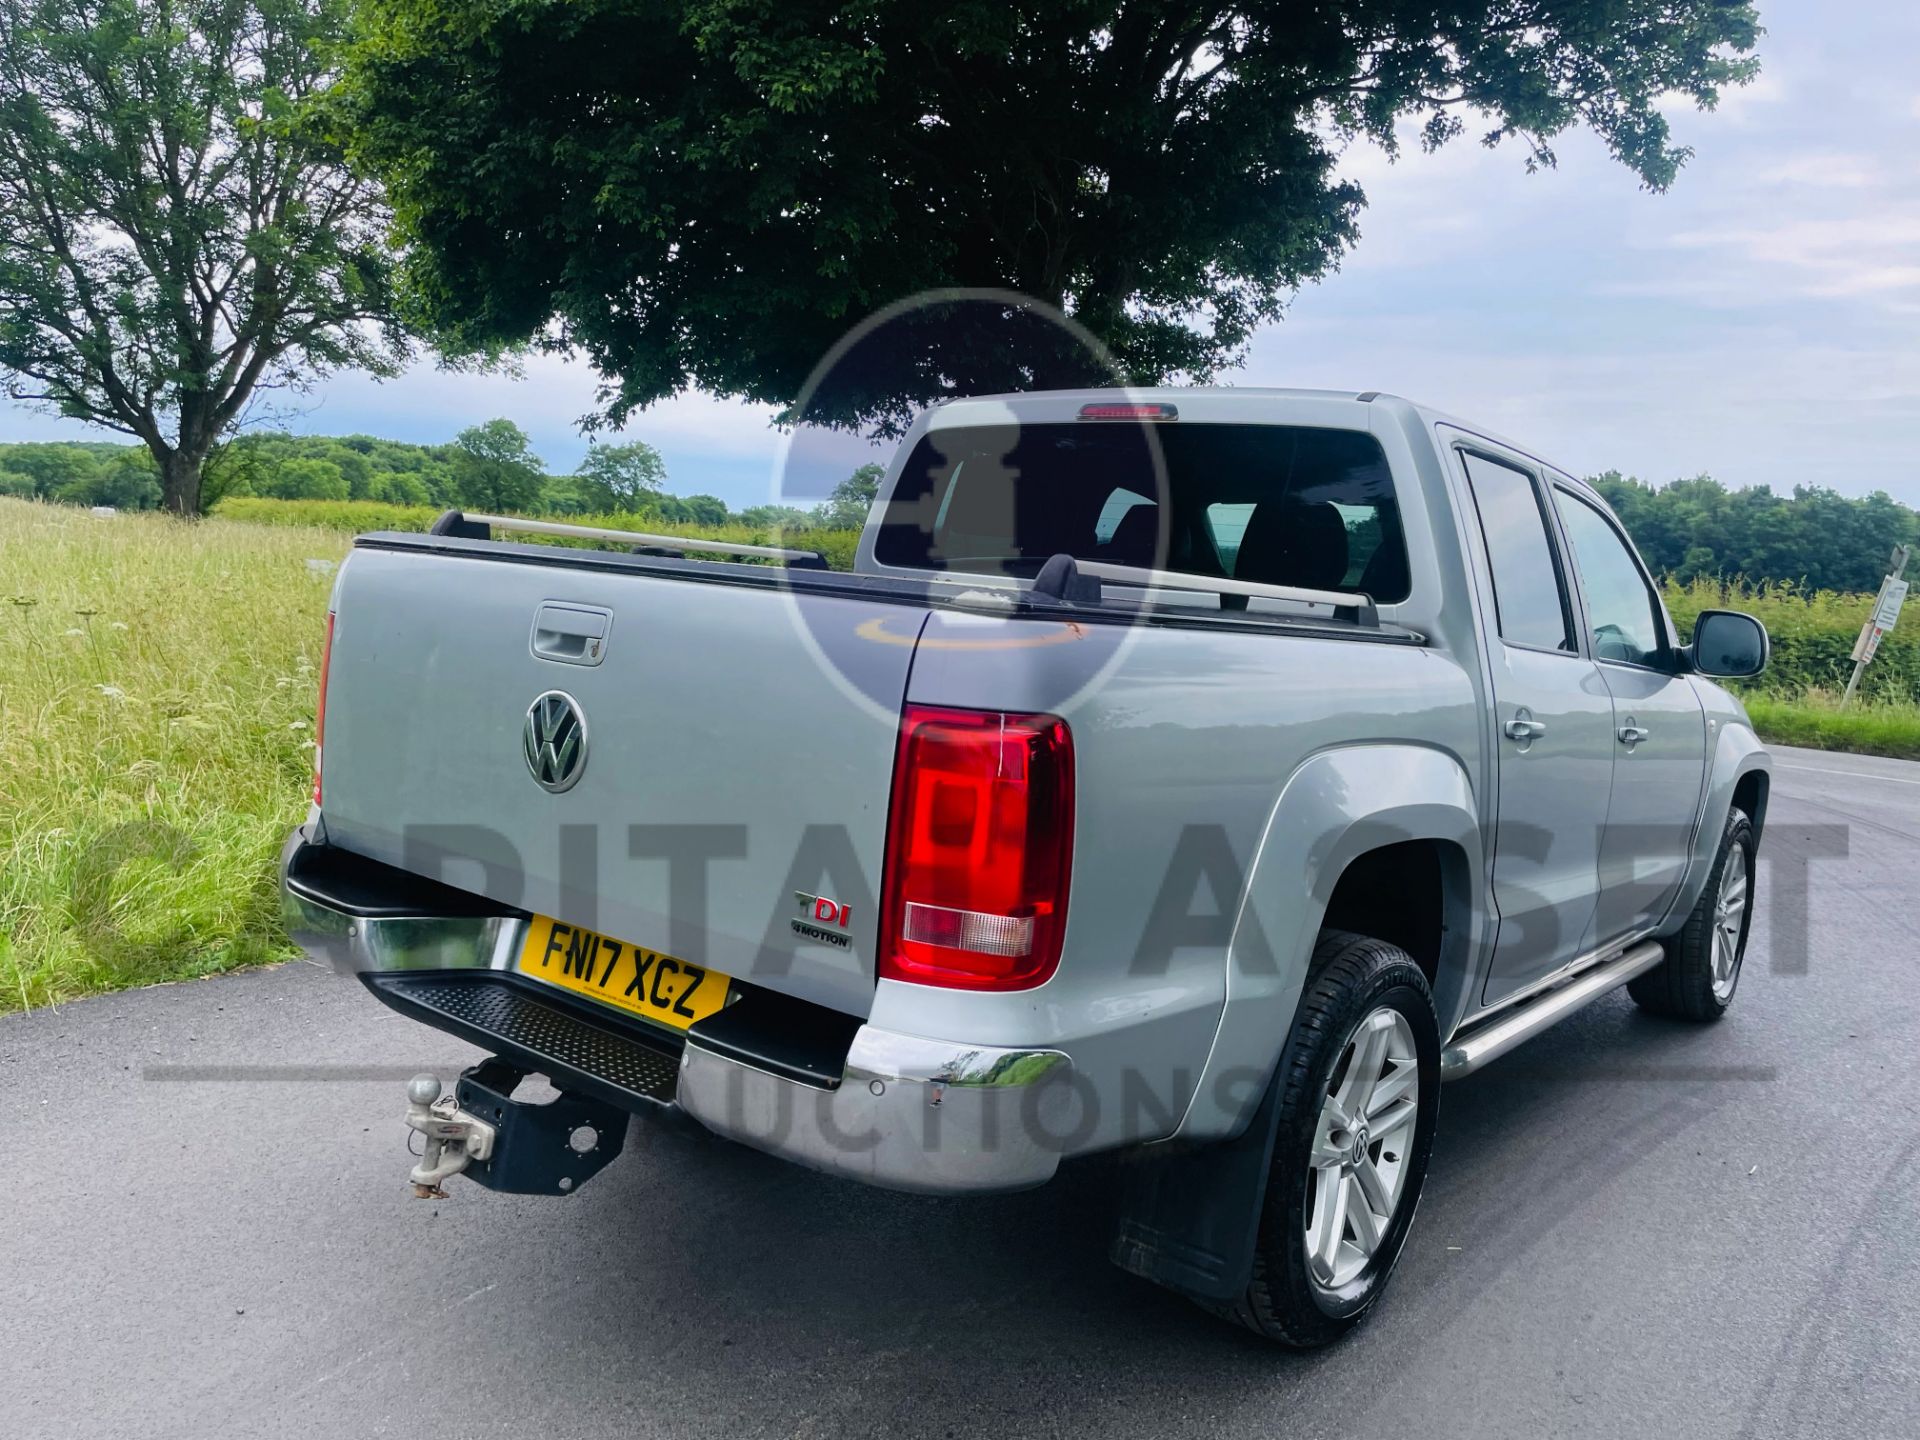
x: 112, y: 692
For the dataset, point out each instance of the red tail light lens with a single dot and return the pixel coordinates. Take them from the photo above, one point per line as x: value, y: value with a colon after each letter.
x: 320, y: 707
x: 979, y: 849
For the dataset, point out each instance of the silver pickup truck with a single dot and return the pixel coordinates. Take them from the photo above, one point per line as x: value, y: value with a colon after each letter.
x: 1203, y: 775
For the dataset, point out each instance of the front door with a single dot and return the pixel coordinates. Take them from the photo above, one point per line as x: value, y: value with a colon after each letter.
x: 1659, y: 727
x: 1553, y: 718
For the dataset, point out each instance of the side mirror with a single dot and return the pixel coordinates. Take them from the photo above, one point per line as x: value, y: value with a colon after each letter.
x: 1728, y: 645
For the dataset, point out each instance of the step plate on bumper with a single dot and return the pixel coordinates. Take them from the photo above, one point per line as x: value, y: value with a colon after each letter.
x: 501, y: 1014
x: 905, y: 1112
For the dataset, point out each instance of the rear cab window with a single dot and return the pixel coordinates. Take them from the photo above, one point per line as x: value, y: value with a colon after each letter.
x: 1273, y: 504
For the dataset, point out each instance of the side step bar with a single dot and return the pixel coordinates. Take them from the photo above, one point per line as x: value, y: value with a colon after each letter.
x: 1468, y: 1053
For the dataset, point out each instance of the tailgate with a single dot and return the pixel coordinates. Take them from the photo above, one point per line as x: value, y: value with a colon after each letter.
x: 728, y: 768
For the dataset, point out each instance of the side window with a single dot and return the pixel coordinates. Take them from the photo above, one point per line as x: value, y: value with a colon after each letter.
x: 1620, y: 606
x: 1526, y: 583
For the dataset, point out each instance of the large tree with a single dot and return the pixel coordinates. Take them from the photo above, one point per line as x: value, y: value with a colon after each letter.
x: 852, y: 499
x: 621, y: 477
x: 495, y: 470
x: 711, y: 192
x: 176, y: 232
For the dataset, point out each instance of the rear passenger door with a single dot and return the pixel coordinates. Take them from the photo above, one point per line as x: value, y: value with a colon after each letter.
x: 1553, y: 723
x: 1660, y: 744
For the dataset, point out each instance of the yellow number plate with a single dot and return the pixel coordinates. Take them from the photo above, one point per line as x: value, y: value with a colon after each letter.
x: 630, y: 977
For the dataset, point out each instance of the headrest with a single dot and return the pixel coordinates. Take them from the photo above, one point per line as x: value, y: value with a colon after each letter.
x: 1291, y: 543
x: 1134, y: 537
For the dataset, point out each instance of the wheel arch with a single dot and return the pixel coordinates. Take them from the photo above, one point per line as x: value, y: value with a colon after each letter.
x: 1415, y: 894
x: 1750, y: 795
x: 1740, y: 773
x: 1350, y: 823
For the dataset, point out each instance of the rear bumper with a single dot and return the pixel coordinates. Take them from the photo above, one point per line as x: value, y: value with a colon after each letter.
x: 904, y: 1112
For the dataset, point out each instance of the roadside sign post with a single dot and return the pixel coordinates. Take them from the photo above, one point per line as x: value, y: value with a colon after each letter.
x: 1886, y: 612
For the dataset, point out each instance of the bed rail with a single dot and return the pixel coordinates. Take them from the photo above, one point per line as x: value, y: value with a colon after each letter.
x: 470, y: 526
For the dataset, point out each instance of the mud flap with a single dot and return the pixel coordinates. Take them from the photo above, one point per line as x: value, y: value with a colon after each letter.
x: 538, y: 1149
x: 1189, y: 1220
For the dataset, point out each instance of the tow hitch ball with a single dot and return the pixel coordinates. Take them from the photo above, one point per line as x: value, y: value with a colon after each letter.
x: 522, y: 1147
x: 453, y: 1138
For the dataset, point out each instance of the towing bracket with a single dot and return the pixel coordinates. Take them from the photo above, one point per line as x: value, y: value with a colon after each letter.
x: 519, y: 1147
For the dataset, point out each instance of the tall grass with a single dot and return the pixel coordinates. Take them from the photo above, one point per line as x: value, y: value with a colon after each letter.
x: 1796, y: 701
x: 156, y: 717
x: 1814, y: 719
x: 1813, y: 633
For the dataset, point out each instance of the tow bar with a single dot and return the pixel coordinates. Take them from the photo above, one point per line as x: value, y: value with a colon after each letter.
x: 516, y: 1146
x: 454, y: 1139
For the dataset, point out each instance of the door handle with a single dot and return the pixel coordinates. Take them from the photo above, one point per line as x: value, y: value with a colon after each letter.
x: 1632, y: 734
x: 571, y: 634
x: 1525, y: 729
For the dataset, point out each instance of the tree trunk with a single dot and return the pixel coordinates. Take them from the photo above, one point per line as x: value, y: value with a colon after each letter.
x: 180, y: 483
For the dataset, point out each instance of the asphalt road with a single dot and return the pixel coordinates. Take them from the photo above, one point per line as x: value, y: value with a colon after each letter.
x: 1632, y: 1227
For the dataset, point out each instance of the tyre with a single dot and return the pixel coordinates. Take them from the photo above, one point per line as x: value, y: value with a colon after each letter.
x: 1697, y: 979
x: 1359, y: 1092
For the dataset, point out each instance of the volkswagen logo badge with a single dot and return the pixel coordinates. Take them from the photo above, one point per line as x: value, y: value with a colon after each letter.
x: 556, y: 740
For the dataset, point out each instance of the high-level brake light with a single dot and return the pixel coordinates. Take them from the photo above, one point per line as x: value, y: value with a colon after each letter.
x: 979, y: 849
x: 1128, y: 410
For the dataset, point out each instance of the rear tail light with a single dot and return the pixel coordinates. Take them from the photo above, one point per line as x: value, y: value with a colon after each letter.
x: 320, y: 708
x: 979, y: 849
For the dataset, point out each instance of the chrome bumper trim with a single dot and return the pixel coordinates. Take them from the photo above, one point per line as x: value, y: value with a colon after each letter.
x: 910, y: 1113
x: 913, y: 1114
x: 353, y: 945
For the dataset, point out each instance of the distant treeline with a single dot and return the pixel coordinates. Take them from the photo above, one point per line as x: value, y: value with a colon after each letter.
x: 1689, y: 529
x: 1815, y: 539
x: 490, y: 467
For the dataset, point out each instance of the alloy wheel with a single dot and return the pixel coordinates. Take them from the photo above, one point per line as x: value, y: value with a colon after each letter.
x: 1730, y: 923
x: 1358, y: 1170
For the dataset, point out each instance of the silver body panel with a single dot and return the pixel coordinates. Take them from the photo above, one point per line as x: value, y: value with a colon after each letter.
x: 1290, y: 755
x: 713, y: 733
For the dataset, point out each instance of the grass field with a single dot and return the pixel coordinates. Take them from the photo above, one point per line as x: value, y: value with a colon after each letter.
x: 1814, y: 719
x: 156, y: 720
x: 157, y: 682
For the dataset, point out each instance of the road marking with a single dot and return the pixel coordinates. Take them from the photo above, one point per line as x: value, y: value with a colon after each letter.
x: 1856, y: 774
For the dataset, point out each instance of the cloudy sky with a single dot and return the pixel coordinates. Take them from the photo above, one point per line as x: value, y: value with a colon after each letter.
x: 1758, y: 322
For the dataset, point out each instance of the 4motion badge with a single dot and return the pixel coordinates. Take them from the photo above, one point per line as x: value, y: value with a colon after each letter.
x: 822, y: 920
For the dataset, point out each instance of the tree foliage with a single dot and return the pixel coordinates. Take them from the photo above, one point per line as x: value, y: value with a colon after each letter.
x: 176, y: 234
x: 1816, y: 539
x: 846, y: 508
x: 712, y: 192
x: 621, y: 477
x: 495, y: 470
